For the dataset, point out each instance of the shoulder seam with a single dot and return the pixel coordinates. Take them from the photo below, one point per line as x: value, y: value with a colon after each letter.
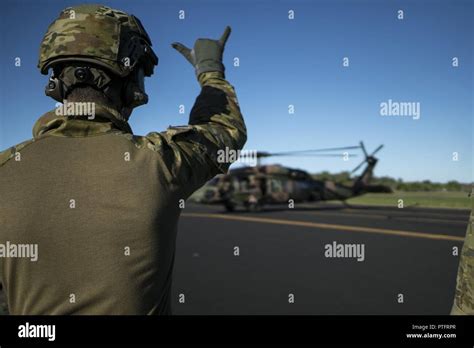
x: 5, y: 156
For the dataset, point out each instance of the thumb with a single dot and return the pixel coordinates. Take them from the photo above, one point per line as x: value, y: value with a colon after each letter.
x: 225, y: 36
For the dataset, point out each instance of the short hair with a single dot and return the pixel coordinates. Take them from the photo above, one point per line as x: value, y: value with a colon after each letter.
x: 89, y: 94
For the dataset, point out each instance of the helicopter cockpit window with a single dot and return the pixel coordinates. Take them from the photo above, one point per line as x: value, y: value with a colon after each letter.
x: 213, y: 182
x: 243, y: 185
x: 276, y: 185
x: 302, y: 185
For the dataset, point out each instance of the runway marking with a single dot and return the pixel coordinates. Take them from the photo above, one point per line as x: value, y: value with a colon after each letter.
x: 374, y: 216
x: 410, y: 210
x: 328, y: 226
x: 383, y: 217
x: 397, y: 211
x: 465, y: 223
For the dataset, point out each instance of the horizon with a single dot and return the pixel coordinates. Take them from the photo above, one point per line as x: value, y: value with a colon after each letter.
x: 294, y: 84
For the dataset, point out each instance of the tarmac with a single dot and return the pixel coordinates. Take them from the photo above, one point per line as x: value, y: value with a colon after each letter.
x: 281, y: 264
x: 275, y: 262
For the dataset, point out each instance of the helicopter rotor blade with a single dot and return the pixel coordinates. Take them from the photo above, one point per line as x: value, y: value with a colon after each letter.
x: 360, y: 165
x: 315, y: 155
x: 316, y: 150
x: 263, y: 154
x: 363, y: 149
x: 266, y: 154
x: 377, y: 150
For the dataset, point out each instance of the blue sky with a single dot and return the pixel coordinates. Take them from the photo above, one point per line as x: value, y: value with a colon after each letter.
x: 295, y: 62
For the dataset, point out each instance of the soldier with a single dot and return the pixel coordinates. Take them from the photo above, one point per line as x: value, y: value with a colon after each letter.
x: 101, y: 203
x: 464, y: 295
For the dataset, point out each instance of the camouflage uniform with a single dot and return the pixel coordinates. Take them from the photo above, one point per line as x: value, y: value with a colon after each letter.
x: 102, y: 204
x: 119, y: 204
x: 464, y: 296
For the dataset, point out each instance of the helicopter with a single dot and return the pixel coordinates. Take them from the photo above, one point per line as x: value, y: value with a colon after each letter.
x: 253, y: 187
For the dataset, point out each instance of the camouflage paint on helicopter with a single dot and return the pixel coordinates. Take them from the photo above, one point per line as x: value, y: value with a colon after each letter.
x: 254, y: 187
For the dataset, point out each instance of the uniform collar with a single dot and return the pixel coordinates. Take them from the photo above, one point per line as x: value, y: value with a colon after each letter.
x: 106, y: 120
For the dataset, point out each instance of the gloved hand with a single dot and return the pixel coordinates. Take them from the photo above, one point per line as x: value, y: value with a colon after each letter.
x: 206, y: 54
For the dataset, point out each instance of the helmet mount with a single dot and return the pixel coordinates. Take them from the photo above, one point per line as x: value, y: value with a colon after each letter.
x: 130, y: 90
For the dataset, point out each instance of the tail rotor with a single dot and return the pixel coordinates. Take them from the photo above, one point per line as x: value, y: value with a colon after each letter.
x: 368, y: 158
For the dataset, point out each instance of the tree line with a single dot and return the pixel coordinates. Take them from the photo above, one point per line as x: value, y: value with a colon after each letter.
x: 398, y: 184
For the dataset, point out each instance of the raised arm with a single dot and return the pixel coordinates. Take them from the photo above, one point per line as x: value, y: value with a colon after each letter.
x: 215, y: 123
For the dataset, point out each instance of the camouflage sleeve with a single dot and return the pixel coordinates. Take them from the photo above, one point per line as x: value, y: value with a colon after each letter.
x: 464, y: 295
x: 193, y: 154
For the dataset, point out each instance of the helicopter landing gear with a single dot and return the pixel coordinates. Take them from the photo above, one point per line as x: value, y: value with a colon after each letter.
x: 229, y: 206
x: 253, y: 204
x: 254, y: 207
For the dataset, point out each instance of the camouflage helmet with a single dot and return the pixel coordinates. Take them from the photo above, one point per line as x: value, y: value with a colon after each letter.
x: 100, y: 35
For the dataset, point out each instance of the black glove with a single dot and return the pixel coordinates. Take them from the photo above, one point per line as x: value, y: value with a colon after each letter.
x: 206, y: 54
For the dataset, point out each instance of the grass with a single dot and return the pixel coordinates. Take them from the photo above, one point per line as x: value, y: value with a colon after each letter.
x: 456, y: 200
x: 435, y: 199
